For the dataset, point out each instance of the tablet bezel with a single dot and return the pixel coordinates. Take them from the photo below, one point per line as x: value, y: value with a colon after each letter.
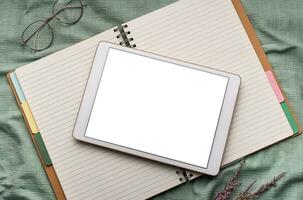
x: 223, y: 125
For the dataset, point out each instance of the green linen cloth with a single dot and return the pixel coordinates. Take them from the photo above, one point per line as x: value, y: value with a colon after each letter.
x: 278, y: 24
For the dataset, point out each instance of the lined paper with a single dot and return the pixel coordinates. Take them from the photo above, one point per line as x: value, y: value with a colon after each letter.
x: 205, y: 32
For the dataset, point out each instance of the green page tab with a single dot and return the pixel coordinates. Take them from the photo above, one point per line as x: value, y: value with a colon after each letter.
x: 42, y: 149
x: 290, y: 118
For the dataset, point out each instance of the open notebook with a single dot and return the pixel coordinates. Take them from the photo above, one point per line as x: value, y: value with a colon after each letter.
x: 207, y: 32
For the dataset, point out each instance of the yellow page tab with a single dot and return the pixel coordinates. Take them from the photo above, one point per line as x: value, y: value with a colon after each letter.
x: 29, y: 117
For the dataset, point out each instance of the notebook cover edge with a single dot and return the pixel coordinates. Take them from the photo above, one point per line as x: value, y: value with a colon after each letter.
x: 262, y: 56
x: 49, y: 170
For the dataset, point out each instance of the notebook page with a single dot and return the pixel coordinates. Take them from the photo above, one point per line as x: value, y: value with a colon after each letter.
x: 204, y: 32
x: 54, y: 87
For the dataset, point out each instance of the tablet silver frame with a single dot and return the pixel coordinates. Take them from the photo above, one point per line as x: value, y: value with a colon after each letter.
x: 224, y: 121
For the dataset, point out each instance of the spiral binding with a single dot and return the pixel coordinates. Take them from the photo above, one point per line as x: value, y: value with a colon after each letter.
x: 124, y: 35
x: 184, y: 175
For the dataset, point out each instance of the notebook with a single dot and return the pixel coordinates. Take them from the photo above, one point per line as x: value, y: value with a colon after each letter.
x: 214, y: 33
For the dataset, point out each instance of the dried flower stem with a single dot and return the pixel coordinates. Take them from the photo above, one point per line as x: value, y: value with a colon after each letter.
x: 247, y: 195
x: 231, y: 185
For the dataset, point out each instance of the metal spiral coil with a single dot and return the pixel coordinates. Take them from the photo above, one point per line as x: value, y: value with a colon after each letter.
x: 184, y: 176
x: 125, y: 35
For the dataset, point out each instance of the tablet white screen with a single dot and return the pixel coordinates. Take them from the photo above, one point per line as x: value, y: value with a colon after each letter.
x: 157, y: 107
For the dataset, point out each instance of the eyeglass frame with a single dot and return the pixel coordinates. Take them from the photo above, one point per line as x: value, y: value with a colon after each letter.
x: 47, y: 21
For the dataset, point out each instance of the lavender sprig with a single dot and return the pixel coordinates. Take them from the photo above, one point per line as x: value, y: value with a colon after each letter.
x: 231, y: 185
x: 247, y: 195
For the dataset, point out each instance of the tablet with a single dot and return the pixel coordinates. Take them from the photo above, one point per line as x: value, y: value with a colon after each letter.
x: 157, y: 108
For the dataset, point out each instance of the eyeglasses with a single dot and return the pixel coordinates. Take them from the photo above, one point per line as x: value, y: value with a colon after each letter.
x: 39, y: 35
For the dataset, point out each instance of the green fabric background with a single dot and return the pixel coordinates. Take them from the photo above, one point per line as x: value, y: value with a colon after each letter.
x: 278, y: 24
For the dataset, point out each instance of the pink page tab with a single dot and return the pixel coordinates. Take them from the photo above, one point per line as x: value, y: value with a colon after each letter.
x: 275, y: 86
